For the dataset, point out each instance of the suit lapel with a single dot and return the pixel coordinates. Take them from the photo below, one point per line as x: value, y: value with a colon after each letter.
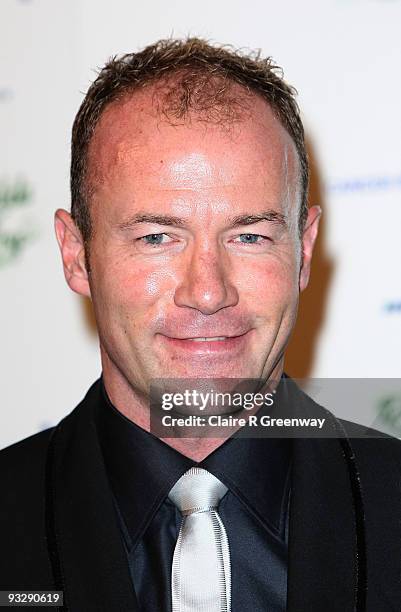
x: 322, y: 536
x: 84, y: 540
x: 327, y: 564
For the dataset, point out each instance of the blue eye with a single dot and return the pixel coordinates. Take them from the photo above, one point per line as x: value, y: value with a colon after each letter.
x: 153, y: 239
x: 250, y: 238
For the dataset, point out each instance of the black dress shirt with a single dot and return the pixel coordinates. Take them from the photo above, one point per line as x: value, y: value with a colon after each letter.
x: 142, y: 469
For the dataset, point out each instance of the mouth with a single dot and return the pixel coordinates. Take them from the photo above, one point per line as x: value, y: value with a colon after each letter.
x: 214, y: 339
x: 206, y: 345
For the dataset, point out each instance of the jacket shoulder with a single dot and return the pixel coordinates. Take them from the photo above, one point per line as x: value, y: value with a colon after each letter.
x: 24, y: 460
x: 24, y: 561
x: 26, y: 500
x: 372, y: 445
x: 378, y: 457
x: 27, y: 445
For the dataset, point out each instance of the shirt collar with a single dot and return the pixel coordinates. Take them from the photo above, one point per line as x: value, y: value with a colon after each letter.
x: 142, y: 469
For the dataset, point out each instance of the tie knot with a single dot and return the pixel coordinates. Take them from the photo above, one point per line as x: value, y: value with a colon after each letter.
x: 197, y: 491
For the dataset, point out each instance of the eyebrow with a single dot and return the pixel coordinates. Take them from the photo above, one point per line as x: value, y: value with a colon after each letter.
x: 150, y: 218
x: 271, y: 216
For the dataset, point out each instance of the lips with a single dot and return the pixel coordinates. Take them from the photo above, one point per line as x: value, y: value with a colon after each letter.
x: 210, y: 337
x: 204, y: 339
x: 201, y: 345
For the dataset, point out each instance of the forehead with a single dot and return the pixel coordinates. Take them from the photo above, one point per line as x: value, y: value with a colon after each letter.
x: 134, y: 142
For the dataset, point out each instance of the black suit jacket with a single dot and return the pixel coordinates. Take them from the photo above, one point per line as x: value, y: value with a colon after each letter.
x: 59, y: 530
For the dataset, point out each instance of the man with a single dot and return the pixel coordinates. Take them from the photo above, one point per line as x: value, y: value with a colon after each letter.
x: 191, y: 234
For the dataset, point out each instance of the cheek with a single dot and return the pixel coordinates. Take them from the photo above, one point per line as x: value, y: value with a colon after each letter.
x: 268, y: 282
x: 134, y: 290
x: 155, y: 283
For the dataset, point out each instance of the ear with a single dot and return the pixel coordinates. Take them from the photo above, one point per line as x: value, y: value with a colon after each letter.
x: 308, y: 242
x: 72, y: 250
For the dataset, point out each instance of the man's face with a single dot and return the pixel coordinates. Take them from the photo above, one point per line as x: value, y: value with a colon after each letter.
x: 195, y: 235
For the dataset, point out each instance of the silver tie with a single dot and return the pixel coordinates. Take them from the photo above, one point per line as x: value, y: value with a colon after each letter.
x: 201, y: 574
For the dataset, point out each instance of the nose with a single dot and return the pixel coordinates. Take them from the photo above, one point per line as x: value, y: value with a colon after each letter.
x: 205, y: 284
